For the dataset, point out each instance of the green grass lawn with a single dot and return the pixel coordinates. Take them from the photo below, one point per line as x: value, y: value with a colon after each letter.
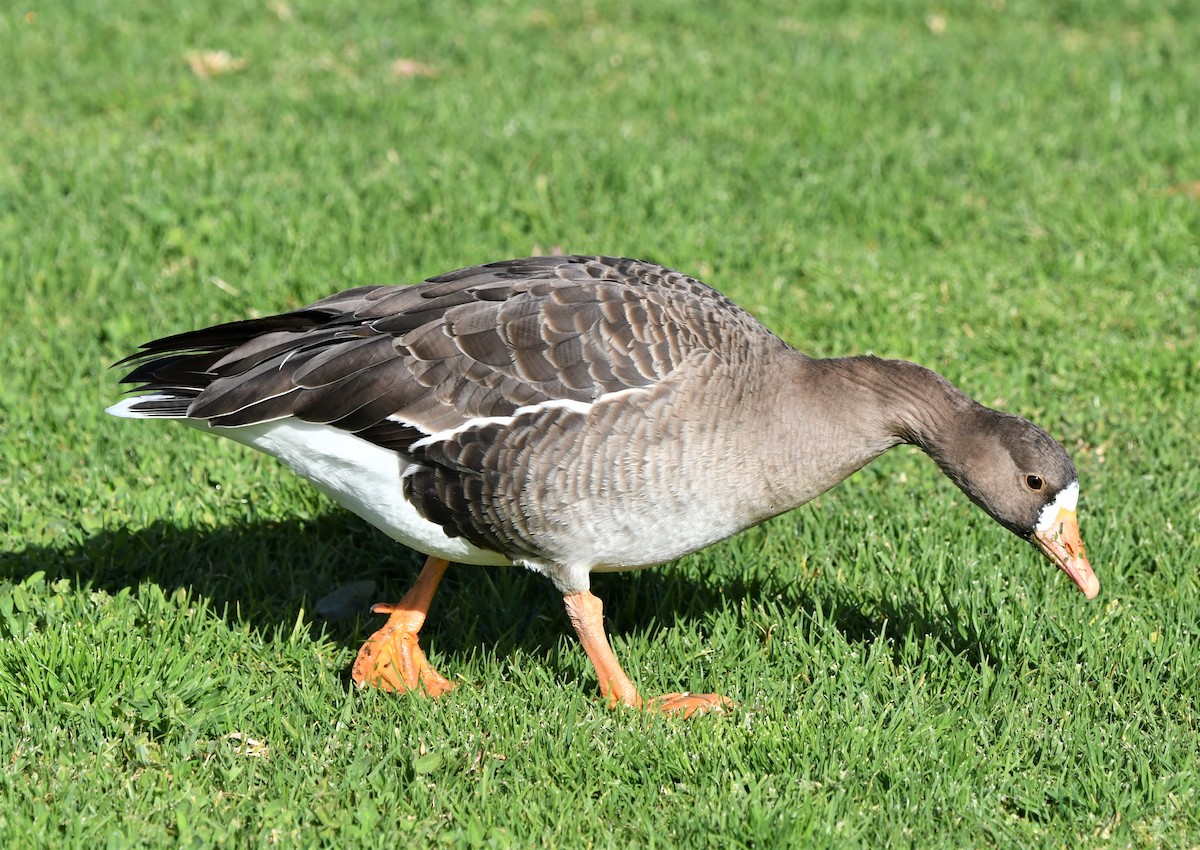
x: 1007, y: 192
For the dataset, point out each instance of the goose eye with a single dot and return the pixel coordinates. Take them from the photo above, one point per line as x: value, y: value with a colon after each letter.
x: 1034, y: 482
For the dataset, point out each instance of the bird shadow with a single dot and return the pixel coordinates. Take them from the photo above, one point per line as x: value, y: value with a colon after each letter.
x: 271, y: 575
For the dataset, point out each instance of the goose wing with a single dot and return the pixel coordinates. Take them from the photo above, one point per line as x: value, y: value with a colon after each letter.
x: 397, y: 364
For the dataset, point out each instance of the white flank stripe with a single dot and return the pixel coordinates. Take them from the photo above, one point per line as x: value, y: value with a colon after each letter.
x: 581, y: 407
x: 1066, y: 500
x: 478, y: 422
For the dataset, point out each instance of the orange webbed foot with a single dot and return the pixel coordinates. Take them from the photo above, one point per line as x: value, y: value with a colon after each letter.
x: 587, y: 616
x: 392, y: 660
x: 685, y: 704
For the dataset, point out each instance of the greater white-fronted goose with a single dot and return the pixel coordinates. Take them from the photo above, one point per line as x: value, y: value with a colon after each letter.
x: 578, y: 414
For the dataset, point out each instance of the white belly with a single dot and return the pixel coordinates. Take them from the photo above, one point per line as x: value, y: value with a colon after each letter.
x: 358, y: 475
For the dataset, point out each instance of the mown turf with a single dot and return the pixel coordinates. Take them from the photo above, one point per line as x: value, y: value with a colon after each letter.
x: 1006, y: 192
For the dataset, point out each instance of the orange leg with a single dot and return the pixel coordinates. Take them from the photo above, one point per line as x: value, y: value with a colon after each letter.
x: 587, y: 616
x: 391, y: 658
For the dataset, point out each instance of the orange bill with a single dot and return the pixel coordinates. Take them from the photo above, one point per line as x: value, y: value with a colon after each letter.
x: 1063, y: 545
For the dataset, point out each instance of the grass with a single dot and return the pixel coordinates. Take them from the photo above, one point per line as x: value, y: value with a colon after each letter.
x: 1005, y: 192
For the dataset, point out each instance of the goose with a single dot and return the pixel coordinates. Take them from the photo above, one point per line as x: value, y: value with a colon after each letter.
x: 578, y: 414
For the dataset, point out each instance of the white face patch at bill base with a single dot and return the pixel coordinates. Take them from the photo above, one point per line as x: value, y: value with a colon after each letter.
x: 1066, y: 500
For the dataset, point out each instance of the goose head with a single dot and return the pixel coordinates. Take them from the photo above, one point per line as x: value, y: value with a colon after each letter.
x: 1021, y: 477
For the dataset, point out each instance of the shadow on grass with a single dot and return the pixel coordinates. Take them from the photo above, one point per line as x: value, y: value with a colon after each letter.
x: 269, y: 575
